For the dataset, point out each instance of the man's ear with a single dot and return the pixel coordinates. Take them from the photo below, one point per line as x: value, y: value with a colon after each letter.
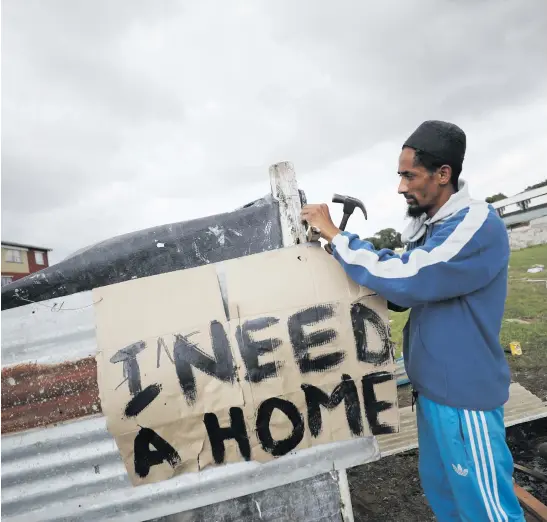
x: 445, y: 173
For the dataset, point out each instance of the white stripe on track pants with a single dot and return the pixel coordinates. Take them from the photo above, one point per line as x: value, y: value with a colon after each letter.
x: 465, y: 465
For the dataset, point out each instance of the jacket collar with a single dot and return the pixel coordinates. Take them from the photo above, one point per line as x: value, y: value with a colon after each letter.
x: 417, y: 226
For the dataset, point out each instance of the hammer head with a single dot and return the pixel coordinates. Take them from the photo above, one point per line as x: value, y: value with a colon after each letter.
x: 350, y: 204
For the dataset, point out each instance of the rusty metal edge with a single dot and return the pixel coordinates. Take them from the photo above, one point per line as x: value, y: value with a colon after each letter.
x: 37, y: 395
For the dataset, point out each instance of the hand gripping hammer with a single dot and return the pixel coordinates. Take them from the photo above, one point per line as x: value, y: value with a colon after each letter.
x: 350, y: 204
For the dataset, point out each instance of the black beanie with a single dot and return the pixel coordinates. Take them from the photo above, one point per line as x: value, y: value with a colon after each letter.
x: 441, y: 139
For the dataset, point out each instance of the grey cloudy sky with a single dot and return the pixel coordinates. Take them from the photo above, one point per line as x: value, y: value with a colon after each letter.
x: 117, y: 116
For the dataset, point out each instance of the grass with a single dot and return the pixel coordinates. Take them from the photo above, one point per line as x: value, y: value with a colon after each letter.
x: 398, y: 321
x: 525, y: 320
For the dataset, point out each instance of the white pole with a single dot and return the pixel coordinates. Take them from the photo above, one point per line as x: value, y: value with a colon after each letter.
x: 345, y: 496
x: 285, y: 190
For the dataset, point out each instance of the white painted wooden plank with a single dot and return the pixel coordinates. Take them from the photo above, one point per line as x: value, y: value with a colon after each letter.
x: 285, y: 190
x: 345, y: 496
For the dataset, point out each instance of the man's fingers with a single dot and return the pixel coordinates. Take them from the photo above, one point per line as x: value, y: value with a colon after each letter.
x: 306, y: 211
x: 311, y: 208
x: 312, y: 212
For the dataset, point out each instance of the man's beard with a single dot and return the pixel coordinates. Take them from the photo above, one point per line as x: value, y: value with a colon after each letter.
x: 415, y: 210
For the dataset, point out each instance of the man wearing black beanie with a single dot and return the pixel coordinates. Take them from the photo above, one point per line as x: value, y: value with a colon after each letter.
x: 435, y: 146
x: 453, y: 276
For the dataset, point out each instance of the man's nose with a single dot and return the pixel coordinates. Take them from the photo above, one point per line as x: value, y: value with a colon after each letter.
x: 402, y: 186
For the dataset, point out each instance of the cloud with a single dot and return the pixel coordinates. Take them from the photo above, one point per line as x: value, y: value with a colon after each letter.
x: 123, y: 115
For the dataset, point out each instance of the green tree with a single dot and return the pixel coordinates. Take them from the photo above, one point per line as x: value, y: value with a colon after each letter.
x: 375, y: 242
x: 495, y: 197
x: 537, y: 185
x: 386, y: 238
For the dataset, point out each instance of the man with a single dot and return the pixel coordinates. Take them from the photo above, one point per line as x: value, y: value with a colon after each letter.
x: 453, y: 276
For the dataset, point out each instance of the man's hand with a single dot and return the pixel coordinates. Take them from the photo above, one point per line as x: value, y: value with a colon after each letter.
x: 318, y: 216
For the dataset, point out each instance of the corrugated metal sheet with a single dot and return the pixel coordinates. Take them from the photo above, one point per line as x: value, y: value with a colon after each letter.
x: 74, y: 472
x: 49, y: 332
x: 522, y: 406
x: 48, y: 367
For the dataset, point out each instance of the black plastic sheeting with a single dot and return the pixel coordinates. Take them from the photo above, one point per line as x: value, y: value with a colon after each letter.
x: 249, y: 230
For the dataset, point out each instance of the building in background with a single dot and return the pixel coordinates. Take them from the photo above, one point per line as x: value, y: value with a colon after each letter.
x: 19, y: 260
x: 525, y: 216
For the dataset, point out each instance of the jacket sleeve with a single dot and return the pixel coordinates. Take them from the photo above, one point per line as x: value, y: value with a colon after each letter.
x: 463, y: 255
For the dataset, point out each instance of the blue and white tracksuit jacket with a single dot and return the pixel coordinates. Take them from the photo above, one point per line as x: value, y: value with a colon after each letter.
x: 453, y: 276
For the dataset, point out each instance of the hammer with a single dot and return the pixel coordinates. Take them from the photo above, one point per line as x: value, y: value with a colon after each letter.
x: 350, y: 204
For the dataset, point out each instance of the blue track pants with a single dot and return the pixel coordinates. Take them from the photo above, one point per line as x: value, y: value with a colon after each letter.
x: 466, y: 468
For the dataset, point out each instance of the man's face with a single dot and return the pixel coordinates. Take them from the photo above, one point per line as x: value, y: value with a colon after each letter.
x: 420, y: 188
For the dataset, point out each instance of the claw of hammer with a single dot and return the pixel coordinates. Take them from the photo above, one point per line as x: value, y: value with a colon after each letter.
x: 350, y: 204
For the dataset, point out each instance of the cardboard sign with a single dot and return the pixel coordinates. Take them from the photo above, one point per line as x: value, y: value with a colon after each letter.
x: 248, y: 359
